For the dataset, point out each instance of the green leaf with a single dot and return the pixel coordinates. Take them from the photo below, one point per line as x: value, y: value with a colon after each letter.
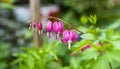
x: 88, y: 36
x: 54, y: 55
x: 93, y: 19
x: 35, y: 55
x: 22, y: 66
x: 16, y: 61
x: 74, y: 63
x: 113, y: 55
x: 115, y: 37
x: 109, y: 33
x: 116, y: 44
x: 30, y: 61
x: 83, y: 19
x: 90, y: 54
x: 6, y: 6
x: 80, y: 44
x: 100, y: 63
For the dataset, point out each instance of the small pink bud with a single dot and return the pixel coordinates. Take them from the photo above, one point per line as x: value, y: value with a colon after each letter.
x: 85, y: 47
x: 49, y: 28
x: 34, y: 26
x: 40, y: 28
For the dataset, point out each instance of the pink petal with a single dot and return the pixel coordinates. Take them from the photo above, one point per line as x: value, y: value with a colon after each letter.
x: 56, y: 27
x: 40, y: 26
x: 65, y: 36
x: 61, y: 26
x: 85, y: 47
x: 34, y: 24
x: 49, y: 26
x: 73, y: 36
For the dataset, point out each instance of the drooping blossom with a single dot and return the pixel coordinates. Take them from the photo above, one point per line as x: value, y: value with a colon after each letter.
x: 85, y: 47
x: 69, y: 36
x: 40, y: 28
x: 58, y: 28
x: 34, y: 26
x: 49, y: 28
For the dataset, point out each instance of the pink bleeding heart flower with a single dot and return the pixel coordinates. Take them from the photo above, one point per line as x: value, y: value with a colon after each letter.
x: 73, y: 35
x: 49, y: 28
x: 65, y: 36
x: 40, y: 28
x: 58, y: 28
x: 85, y: 47
x: 61, y: 27
x: 69, y: 36
x: 34, y: 26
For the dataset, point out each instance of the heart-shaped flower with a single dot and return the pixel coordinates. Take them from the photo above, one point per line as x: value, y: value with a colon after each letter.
x: 49, y: 28
x: 69, y: 36
x: 58, y: 28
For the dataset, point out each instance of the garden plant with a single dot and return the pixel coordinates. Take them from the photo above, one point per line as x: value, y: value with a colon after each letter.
x: 90, y: 47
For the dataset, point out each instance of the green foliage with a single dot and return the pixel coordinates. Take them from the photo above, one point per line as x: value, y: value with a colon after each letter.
x: 7, y: 4
x: 4, y: 53
x: 55, y: 55
x: 103, y: 9
x: 84, y: 19
x: 38, y: 58
x: 88, y: 36
x: 93, y: 19
x: 102, y: 56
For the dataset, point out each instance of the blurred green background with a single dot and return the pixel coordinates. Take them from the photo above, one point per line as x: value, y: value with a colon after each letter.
x: 16, y: 41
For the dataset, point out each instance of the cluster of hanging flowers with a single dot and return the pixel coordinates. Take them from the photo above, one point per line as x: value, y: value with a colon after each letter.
x: 68, y: 36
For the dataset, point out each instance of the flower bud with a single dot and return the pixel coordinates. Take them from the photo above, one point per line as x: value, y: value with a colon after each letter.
x: 40, y: 28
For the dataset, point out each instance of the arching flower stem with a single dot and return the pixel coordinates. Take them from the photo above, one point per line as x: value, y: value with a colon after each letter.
x: 72, y: 26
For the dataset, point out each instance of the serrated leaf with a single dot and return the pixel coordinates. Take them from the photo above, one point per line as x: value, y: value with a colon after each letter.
x: 54, y: 55
x: 30, y: 61
x: 80, y: 44
x: 100, y: 63
x: 22, y: 66
x: 113, y: 55
x: 88, y: 36
x: 93, y: 19
x: 74, y: 63
x: 16, y: 61
x: 109, y: 33
x: 35, y: 55
x: 90, y: 54
x: 115, y: 37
